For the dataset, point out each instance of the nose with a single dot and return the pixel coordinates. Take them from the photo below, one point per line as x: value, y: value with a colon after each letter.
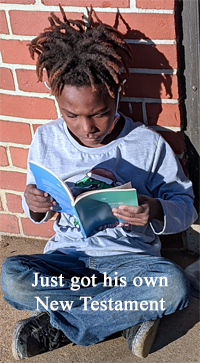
x: 87, y: 125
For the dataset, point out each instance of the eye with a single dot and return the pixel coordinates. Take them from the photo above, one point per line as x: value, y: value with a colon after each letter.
x: 99, y: 115
x: 71, y: 116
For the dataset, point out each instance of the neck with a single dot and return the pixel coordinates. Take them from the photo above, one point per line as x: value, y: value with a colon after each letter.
x: 118, y: 126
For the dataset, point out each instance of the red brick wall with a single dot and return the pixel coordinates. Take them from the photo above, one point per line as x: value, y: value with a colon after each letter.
x: 151, y: 92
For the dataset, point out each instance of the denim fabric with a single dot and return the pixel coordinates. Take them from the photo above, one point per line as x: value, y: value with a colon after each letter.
x: 86, y: 327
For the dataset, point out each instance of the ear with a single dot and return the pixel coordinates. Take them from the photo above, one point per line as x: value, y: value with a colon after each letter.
x: 120, y: 93
x: 123, y: 87
x: 45, y: 79
x: 45, y: 75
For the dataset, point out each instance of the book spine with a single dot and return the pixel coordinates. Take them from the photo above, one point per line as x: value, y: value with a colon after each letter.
x: 79, y: 221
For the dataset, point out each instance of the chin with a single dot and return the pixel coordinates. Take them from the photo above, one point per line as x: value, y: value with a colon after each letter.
x: 97, y: 140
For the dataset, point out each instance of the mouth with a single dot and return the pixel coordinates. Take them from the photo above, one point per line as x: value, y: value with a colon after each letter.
x: 96, y: 138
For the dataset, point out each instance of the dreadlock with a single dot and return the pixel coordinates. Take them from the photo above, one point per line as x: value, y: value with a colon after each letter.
x: 80, y: 53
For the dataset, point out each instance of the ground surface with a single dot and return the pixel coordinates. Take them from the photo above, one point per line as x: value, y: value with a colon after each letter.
x: 177, y: 340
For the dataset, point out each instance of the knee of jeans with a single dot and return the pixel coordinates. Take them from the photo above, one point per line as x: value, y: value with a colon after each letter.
x: 177, y: 292
x: 11, y: 278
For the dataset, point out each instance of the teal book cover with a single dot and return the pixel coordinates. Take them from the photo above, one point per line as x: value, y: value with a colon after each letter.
x: 95, y: 208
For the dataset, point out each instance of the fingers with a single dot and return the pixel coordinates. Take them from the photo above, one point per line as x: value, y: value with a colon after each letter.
x: 128, y: 211
x: 138, y: 216
x: 37, y: 200
x: 31, y: 188
x: 131, y: 210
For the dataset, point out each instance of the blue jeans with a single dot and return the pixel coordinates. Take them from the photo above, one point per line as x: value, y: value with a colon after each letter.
x: 102, y: 309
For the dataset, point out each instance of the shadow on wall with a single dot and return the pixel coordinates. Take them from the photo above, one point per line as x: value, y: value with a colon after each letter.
x: 188, y: 66
x: 150, y: 82
x: 150, y: 77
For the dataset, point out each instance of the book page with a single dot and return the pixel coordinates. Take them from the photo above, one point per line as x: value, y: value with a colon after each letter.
x: 84, y: 194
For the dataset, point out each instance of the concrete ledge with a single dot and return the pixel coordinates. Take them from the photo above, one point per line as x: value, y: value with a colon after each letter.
x: 193, y: 238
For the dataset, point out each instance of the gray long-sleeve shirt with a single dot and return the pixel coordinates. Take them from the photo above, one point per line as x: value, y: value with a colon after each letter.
x: 139, y: 155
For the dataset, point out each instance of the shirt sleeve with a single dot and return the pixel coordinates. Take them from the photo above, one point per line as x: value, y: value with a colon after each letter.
x: 35, y: 153
x: 169, y: 184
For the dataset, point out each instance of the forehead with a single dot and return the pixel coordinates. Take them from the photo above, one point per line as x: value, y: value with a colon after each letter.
x: 84, y: 97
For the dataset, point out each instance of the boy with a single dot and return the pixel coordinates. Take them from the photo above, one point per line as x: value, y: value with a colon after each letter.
x: 90, y: 142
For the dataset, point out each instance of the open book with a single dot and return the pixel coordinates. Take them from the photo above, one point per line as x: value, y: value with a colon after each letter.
x: 92, y: 209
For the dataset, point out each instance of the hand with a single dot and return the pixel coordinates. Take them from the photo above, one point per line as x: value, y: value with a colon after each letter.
x: 39, y: 202
x: 148, y: 209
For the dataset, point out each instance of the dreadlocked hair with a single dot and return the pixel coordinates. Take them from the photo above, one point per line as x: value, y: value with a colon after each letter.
x: 80, y: 53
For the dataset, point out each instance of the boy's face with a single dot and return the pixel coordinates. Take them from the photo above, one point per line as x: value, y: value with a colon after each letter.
x: 89, y: 115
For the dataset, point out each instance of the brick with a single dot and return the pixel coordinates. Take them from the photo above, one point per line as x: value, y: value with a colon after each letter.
x: 155, y: 4
x: 136, y: 113
x: 27, y: 107
x: 19, y: 157
x: 162, y: 25
x: 152, y: 86
x: 175, y: 140
x: 3, y: 156
x: 42, y: 230
x: 13, y: 180
x: 15, y: 132
x: 28, y: 82
x: 14, y: 203
x: 95, y: 3
x: 160, y: 56
x: 36, y: 21
x: 153, y: 26
x: 15, y: 52
x: 163, y: 114
x: 23, y: 2
x: 6, y: 79
x: 3, y: 23
x: 9, y: 224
